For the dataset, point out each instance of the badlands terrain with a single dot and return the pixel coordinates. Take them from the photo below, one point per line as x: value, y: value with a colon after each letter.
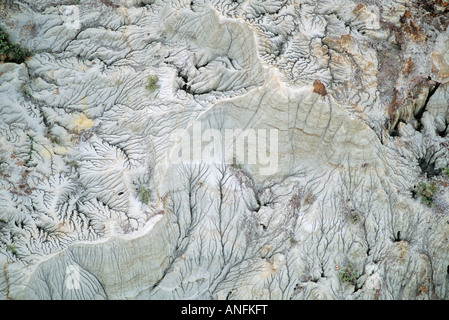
x: 112, y: 180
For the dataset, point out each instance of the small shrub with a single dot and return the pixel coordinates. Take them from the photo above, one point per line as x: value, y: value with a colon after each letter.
x: 348, y: 211
x: 144, y: 194
x: 348, y: 274
x: 152, y: 83
x: 309, y: 198
x: 355, y: 217
x: 445, y: 171
x: 427, y: 192
x: 11, y: 52
x: 52, y: 138
x: 11, y: 248
x: 73, y: 164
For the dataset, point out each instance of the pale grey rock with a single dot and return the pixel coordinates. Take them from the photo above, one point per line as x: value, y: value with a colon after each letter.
x: 92, y: 208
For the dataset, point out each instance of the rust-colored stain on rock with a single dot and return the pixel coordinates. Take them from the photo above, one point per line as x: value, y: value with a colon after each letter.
x: 408, y: 66
x: 414, y: 32
x: 358, y: 8
x: 319, y: 88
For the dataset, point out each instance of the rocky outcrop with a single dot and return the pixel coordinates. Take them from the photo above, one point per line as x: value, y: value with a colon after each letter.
x: 118, y: 175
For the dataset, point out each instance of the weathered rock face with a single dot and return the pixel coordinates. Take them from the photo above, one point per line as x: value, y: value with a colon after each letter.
x: 115, y: 171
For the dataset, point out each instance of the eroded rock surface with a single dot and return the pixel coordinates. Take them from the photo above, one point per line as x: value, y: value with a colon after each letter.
x: 357, y: 92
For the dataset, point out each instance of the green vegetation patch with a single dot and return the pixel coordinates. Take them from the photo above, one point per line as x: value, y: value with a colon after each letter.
x: 144, y: 194
x: 152, y: 83
x: 11, y: 52
x: 348, y: 274
x: 445, y: 171
x: 427, y: 192
x: 11, y: 248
